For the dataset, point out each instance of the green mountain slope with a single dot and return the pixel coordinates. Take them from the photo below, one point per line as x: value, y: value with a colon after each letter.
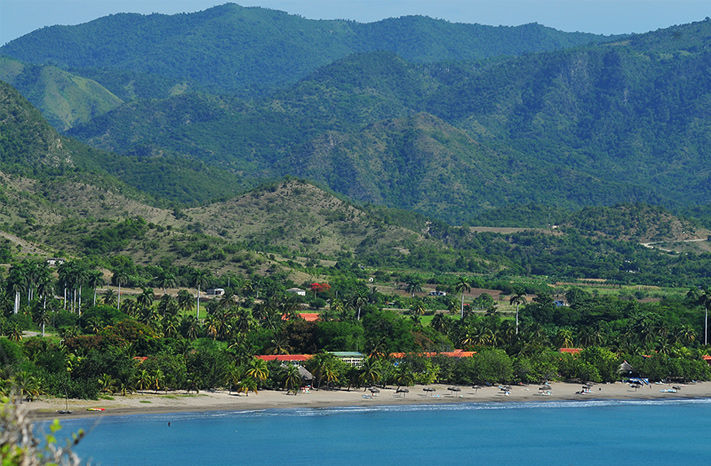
x: 64, y: 98
x: 29, y: 146
x: 544, y: 129
x: 231, y: 48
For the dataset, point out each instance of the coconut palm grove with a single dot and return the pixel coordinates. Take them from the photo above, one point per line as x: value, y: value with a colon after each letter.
x: 82, y: 332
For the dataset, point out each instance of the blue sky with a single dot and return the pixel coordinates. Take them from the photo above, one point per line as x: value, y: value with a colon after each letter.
x: 18, y: 17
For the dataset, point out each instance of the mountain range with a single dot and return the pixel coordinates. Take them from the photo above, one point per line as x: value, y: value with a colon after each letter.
x: 453, y: 121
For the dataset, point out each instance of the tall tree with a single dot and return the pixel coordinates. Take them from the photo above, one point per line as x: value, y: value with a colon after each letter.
x: 462, y: 287
x: 120, y: 277
x: 95, y: 279
x: 517, y: 299
x: 704, y: 299
x: 200, y: 279
x: 413, y: 285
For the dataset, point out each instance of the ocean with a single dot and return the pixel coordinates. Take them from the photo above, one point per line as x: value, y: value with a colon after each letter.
x: 546, y: 433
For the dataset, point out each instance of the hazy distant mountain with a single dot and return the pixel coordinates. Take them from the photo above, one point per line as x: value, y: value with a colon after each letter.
x: 236, y: 49
x: 64, y: 98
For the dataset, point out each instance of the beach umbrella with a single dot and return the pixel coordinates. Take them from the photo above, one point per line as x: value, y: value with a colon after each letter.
x: 402, y: 390
x: 454, y: 389
x: 374, y: 390
x: 625, y: 367
x: 476, y: 387
x: 305, y: 374
x: 428, y: 389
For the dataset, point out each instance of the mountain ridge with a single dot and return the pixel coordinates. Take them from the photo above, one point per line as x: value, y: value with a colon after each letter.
x: 273, y: 47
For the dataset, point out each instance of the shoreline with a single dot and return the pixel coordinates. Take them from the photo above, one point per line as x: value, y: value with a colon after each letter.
x: 180, y: 402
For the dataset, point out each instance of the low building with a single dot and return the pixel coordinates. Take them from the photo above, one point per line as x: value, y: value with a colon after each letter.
x: 352, y: 358
x: 296, y: 291
x: 438, y: 293
x: 215, y: 291
x: 297, y: 359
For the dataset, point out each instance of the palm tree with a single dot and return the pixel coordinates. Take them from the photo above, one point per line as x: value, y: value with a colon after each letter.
x: 190, y: 327
x: 95, y: 279
x: 144, y: 380
x: 704, y: 299
x: 107, y: 383
x: 120, y: 277
x: 167, y: 305
x: 370, y: 372
x: 166, y: 280
x: 145, y: 299
x: 321, y: 365
x: 258, y: 369
x: 417, y: 310
x: 358, y: 300
x: 292, y: 381
x: 462, y: 287
x: 109, y: 298
x: 413, y: 285
x: 185, y: 300
x: 518, y: 299
x: 42, y: 317
x: 200, y: 281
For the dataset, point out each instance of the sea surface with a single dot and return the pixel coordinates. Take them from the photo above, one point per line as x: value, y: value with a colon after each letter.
x: 546, y: 433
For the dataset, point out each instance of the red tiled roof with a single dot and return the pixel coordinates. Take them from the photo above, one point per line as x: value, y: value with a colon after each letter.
x: 706, y: 357
x: 570, y: 350
x: 285, y: 357
x: 307, y: 316
x: 457, y: 353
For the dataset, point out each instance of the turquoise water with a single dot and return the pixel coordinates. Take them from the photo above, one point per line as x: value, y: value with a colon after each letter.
x: 549, y: 433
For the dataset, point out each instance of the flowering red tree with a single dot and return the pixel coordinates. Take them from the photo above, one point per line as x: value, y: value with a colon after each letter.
x: 320, y: 287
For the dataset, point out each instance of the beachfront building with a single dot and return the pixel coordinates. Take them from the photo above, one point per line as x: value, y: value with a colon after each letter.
x: 352, y: 358
x: 297, y: 359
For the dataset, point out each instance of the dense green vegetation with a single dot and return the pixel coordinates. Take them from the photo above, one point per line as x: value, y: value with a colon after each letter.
x: 30, y: 147
x: 594, y: 125
x: 64, y: 98
x: 580, y: 146
x: 102, y: 339
x: 248, y: 50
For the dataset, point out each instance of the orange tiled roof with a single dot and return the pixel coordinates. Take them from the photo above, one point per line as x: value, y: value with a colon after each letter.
x: 570, y: 350
x: 285, y: 357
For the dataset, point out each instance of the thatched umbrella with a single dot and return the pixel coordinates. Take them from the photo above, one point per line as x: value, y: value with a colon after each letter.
x: 306, y: 376
x: 454, y: 389
x: 625, y: 368
x: 428, y: 389
x: 402, y: 390
x: 476, y: 388
x: 374, y: 390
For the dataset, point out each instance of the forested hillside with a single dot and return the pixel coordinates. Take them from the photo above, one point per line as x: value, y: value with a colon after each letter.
x: 598, y: 125
x: 29, y: 146
x: 64, y: 98
x: 247, y: 50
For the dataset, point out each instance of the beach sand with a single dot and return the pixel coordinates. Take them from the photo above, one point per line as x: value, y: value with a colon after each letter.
x: 170, y: 402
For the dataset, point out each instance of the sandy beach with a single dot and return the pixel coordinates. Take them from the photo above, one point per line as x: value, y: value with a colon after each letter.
x: 150, y: 402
